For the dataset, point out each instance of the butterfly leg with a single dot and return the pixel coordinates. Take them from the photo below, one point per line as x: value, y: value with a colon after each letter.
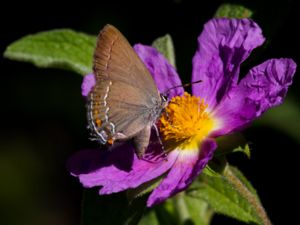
x: 160, y: 141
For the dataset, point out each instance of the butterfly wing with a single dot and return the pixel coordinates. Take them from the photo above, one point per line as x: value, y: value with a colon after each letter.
x: 125, y: 98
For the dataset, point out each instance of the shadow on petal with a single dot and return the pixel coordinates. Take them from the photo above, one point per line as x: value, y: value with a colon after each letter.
x: 120, y: 155
x: 87, y: 161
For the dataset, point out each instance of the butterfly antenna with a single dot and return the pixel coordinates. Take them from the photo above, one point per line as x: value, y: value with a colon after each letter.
x: 182, y: 85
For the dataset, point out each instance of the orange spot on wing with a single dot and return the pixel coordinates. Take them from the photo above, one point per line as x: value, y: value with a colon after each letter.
x: 98, y: 122
x: 110, y: 141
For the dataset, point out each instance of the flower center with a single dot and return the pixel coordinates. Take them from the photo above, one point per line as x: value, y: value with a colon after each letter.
x: 185, y: 123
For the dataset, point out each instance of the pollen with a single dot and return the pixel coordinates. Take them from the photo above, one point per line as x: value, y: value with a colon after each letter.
x: 185, y: 122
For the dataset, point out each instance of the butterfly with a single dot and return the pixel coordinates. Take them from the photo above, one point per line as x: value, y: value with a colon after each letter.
x: 125, y: 102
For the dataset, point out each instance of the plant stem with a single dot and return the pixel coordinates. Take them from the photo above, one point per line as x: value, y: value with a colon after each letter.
x: 257, y: 206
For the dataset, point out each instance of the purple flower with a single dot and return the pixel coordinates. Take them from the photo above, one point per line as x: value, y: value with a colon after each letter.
x: 220, y: 105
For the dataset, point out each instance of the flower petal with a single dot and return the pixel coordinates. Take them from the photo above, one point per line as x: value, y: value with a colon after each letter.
x: 187, y: 166
x: 118, y: 169
x: 264, y: 86
x: 164, y: 74
x: 223, y: 45
x: 88, y: 83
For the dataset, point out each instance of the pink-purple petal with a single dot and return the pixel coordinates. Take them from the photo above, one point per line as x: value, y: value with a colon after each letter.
x: 88, y: 83
x: 187, y: 166
x: 118, y: 169
x: 163, y: 73
x: 265, y: 86
x: 222, y: 46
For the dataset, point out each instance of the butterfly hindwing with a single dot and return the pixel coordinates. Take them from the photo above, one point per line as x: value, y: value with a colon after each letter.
x: 125, y: 99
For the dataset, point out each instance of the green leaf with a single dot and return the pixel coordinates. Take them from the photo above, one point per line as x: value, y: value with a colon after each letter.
x: 111, y: 209
x: 62, y: 48
x: 244, y: 180
x: 245, y: 150
x: 165, y: 46
x: 231, y: 195
x: 210, y: 172
x: 233, y: 11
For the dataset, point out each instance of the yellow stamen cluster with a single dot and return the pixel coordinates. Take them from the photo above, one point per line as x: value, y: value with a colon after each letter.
x: 185, y: 123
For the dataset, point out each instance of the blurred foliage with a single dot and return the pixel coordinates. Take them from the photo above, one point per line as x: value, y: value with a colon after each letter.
x: 233, y: 11
x: 165, y: 46
x: 65, y: 49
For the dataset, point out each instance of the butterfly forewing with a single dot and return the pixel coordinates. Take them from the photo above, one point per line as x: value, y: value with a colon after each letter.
x: 125, y: 98
x: 116, y: 60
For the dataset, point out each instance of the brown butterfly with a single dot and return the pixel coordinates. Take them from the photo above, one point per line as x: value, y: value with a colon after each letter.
x: 125, y: 102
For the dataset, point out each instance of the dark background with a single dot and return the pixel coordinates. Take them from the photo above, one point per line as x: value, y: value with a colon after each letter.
x: 42, y: 120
